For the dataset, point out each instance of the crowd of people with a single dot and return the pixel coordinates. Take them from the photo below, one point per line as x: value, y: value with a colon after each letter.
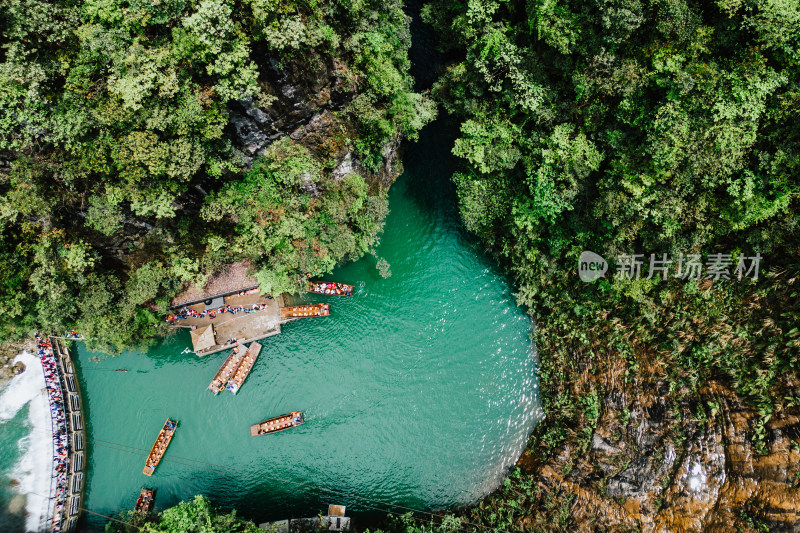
x: 212, y: 313
x: 163, y: 440
x: 330, y: 287
x: 55, y: 397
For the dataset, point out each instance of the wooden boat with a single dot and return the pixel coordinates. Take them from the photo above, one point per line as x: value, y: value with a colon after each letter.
x: 279, y: 423
x: 160, y: 447
x: 301, y: 311
x: 330, y: 287
x: 146, y: 501
x: 228, y: 369
x: 244, y: 369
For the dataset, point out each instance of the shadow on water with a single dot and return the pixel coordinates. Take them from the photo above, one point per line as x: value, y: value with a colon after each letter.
x: 426, y: 60
x: 430, y: 160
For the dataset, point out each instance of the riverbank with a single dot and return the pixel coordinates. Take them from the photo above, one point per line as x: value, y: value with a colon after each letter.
x: 646, y: 438
x: 9, y: 351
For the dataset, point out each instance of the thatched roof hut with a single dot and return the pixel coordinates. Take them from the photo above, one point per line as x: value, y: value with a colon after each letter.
x: 203, y: 338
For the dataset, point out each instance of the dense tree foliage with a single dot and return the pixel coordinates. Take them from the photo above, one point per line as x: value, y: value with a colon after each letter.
x: 662, y: 125
x: 627, y: 126
x: 632, y: 127
x: 121, y: 180
x: 195, y: 516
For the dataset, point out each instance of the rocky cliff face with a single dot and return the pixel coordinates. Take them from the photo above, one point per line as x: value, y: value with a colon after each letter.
x: 8, y: 351
x: 652, y: 464
x: 305, y: 104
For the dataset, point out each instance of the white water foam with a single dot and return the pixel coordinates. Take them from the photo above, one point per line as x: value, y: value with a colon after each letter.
x: 34, y: 469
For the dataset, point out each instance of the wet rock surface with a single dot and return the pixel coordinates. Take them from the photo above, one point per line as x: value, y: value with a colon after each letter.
x: 656, y: 463
x: 304, y: 101
x: 8, y: 351
x: 305, y: 104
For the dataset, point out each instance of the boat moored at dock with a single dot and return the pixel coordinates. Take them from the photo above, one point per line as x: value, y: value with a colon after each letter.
x: 160, y: 447
x: 146, y: 500
x: 244, y: 369
x: 330, y: 287
x: 279, y: 423
x: 302, y: 311
x: 226, y: 371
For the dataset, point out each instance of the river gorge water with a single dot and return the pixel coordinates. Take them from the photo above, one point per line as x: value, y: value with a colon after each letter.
x: 420, y: 391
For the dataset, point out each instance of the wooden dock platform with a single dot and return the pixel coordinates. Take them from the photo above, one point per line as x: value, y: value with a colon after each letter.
x: 243, y: 327
x: 245, y: 367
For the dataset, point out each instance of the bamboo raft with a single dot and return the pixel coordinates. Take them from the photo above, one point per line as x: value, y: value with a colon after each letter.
x: 279, y: 423
x: 245, y: 367
x: 228, y: 369
x: 146, y: 501
x: 330, y: 287
x: 300, y: 311
x: 160, y: 447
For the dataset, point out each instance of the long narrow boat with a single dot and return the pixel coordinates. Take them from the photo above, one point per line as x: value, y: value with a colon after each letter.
x: 279, y: 423
x: 300, y: 311
x: 244, y: 369
x: 146, y: 501
x: 330, y: 287
x: 228, y: 369
x: 160, y: 447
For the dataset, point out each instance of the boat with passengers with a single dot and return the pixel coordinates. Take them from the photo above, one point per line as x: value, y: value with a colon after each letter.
x: 302, y: 311
x: 160, y: 447
x: 279, y: 423
x: 330, y: 287
x: 244, y: 369
x: 146, y: 500
x: 226, y: 371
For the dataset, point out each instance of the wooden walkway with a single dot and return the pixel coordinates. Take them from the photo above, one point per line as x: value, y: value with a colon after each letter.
x: 73, y: 406
x: 244, y: 327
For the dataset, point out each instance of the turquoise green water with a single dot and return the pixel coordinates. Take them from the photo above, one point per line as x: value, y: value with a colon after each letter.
x: 12, y: 431
x: 418, y: 391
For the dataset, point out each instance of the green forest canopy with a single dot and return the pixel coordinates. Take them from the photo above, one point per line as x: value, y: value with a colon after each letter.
x: 618, y: 126
x: 632, y: 127
x: 114, y: 114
